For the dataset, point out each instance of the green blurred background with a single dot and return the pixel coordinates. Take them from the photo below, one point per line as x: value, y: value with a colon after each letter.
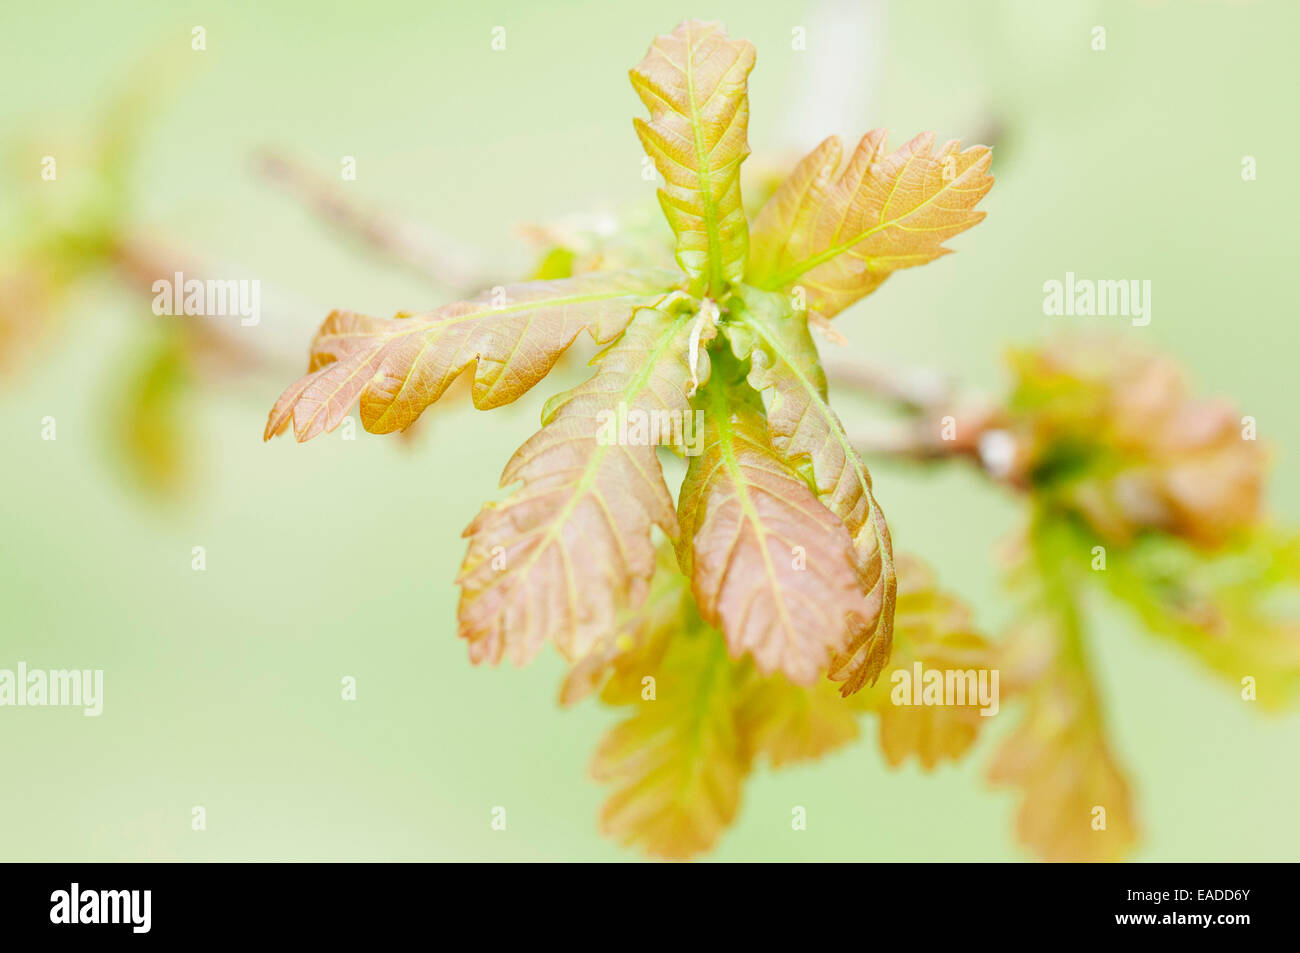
x: 337, y: 557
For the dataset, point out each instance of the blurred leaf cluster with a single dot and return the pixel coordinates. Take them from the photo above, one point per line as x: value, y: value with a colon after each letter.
x: 72, y: 227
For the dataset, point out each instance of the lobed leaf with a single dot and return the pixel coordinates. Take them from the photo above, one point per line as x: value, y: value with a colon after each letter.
x: 398, y: 367
x: 840, y: 238
x: 1059, y: 759
x: 636, y: 643
x: 1059, y: 756
x: 1109, y: 431
x: 794, y: 723
x: 679, y: 761
x: 1226, y: 607
x: 694, y: 83
x: 770, y: 566
x: 784, y: 365
x: 774, y: 716
x: 149, y: 418
x: 787, y: 217
x: 569, y: 554
x: 933, y: 628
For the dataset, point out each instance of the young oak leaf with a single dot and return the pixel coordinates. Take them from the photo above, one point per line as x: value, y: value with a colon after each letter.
x: 1110, y: 432
x: 148, y: 424
x: 569, y: 553
x: 679, y: 761
x: 397, y: 367
x: 933, y: 629
x: 770, y: 566
x: 840, y: 238
x: 638, y: 639
x: 694, y: 83
x: 788, y: 722
x: 1059, y: 759
x: 1222, y: 606
x: 784, y: 365
x: 793, y: 723
x: 1075, y: 802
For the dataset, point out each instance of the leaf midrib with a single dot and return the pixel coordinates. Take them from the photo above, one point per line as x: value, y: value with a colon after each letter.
x: 704, y: 173
x: 584, y: 485
x: 722, y: 415
x: 823, y: 409
x: 790, y: 274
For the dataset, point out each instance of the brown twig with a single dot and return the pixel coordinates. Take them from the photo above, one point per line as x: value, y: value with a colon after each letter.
x: 434, y: 257
x: 914, y: 390
x: 138, y: 263
x: 938, y: 424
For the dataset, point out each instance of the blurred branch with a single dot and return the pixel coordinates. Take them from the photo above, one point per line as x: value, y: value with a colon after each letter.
x: 914, y: 389
x: 138, y: 263
x: 433, y: 256
x: 939, y: 425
